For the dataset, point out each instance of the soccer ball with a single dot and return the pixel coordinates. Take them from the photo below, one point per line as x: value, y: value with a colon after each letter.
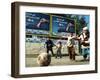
x: 44, y: 59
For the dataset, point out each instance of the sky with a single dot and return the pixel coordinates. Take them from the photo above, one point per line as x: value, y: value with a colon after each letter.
x: 87, y: 18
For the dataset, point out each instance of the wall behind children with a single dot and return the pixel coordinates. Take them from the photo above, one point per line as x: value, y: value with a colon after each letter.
x: 5, y: 40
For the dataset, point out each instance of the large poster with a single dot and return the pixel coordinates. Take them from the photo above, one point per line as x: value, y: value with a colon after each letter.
x: 61, y: 26
x: 37, y: 23
x: 54, y: 30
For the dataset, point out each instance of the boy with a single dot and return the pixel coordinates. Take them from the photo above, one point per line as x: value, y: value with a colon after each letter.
x: 59, y: 47
x: 49, y: 45
x: 70, y: 47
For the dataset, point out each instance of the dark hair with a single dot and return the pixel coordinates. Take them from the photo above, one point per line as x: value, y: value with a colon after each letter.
x: 88, y: 34
x: 59, y: 42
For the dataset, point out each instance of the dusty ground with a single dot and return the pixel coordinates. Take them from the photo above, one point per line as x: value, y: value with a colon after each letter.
x: 32, y: 62
x: 34, y: 49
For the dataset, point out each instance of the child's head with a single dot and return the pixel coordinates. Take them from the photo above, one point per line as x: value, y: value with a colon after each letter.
x: 59, y: 42
x: 71, y: 34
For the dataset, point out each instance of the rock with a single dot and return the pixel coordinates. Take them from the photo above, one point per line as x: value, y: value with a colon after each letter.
x: 44, y: 59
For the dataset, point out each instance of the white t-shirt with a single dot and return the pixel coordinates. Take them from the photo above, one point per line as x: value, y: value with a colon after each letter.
x: 70, y: 41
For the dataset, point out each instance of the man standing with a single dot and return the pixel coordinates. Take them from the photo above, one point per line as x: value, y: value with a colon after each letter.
x: 70, y: 47
x: 84, y: 41
x: 49, y: 45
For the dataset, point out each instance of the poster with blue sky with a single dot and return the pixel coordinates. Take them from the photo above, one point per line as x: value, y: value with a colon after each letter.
x: 57, y: 24
x: 37, y: 23
x: 62, y: 25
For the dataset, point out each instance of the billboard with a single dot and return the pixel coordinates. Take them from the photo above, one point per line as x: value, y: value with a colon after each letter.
x: 37, y: 23
x: 61, y: 26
